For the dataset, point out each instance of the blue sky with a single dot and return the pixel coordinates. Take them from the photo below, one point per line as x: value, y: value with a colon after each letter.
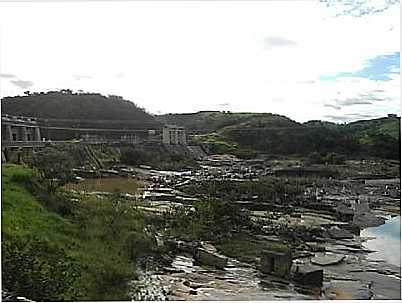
x: 378, y: 68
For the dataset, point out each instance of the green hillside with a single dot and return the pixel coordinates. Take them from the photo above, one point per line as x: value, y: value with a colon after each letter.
x: 242, y: 133
x: 207, y: 121
x: 83, y: 106
x: 383, y: 126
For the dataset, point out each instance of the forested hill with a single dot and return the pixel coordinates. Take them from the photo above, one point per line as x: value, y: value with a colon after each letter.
x: 275, y: 134
x: 83, y: 106
x: 383, y: 126
x: 207, y: 121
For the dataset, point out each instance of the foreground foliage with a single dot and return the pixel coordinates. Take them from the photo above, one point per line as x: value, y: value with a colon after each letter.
x: 85, y: 253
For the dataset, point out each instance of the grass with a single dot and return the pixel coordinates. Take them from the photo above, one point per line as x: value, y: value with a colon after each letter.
x: 122, y: 185
x: 23, y: 215
x: 95, y: 235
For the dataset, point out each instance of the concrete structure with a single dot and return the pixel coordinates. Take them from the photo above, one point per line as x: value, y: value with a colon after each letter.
x: 308, y: 275
x: 174, y: 135
x: 276, y: 263
x: 14, y: 128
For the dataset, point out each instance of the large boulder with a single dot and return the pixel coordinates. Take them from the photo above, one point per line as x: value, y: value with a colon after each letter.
x: 307, y: 275
x: 210, y: 258
x: 276, y: 263
x: 325, y: 259
x: 367, y: 220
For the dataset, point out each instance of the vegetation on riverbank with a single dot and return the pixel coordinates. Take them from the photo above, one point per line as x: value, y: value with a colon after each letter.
x: 87, y: 253
x: 265, y: 189
x: 160, y: 160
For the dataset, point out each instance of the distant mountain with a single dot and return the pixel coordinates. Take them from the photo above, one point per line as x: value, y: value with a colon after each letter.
x: 84, y: 106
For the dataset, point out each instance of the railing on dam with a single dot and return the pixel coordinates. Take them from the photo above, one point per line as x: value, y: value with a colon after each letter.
x: 22, y: 144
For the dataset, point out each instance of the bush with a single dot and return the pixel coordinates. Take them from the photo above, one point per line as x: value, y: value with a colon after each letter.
x: 208, y: 220
x: 315, y: 158
x: 133, y: 156
x: 245, y: 153
x: 139, y: 244
x: 334, y: 158
x: 37, y: 270
x: 161, y: 160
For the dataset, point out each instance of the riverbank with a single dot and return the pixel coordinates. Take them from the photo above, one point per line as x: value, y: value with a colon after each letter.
x: 86, y: 253
x: 207, y: 230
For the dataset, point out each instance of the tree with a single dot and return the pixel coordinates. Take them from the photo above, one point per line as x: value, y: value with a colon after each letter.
x: 315, y: 158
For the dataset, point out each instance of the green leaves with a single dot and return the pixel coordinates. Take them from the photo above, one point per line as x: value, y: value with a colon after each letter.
x: 37, y: 270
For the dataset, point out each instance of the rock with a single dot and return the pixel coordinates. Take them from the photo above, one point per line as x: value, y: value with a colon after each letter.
x: 315, y: 247
x: 338, y: 233
x: 187, y: 247
x: 192, y: 284
x: 308, y: 275
x: 302, y: 254
x: 354, y: 229
x: 327, y: 259
x: 367, y: 220
x: 276, y: 263
x: 11, y: 297
x: 173, y: 270
x: 209, y: 247
x: 210, y: 258
x: 166, y: 259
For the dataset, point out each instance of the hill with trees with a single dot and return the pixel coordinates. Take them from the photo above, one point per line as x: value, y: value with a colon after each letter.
x: 67, y: 105
x: 248, y: 133
x: 208, y: 121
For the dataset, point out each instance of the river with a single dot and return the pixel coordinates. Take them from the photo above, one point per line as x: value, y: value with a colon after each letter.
x: 387, y: 241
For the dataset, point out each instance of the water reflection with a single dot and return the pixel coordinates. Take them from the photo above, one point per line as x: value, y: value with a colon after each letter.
x: 387, y: 242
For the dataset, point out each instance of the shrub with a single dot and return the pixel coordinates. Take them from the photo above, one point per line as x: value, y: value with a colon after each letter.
x: 138, y: 244
x: 37, y: 270
x: 209, y: 219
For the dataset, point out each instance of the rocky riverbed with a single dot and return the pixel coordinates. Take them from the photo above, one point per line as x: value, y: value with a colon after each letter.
x: 324, y: 228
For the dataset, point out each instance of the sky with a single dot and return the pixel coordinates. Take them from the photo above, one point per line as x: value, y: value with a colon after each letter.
x: 307, y: 60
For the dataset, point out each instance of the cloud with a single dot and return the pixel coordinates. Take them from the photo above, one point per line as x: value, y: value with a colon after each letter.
x: 8, y: 76
x: 358, y: 8
x: 351, y: 101
x: 348, y: 117
x: 368, y: 97
x: 307, y: 82
x: 22, y: 83
x: 120, y: 75
x: 277, y: 41
x: 333, y: 106
x: 274, y: 53
x: 224, y: 104
x: 80, y: 77
x: 374, y: 97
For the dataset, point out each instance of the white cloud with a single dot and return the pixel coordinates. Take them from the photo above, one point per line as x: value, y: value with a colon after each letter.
x: 181, y: 57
